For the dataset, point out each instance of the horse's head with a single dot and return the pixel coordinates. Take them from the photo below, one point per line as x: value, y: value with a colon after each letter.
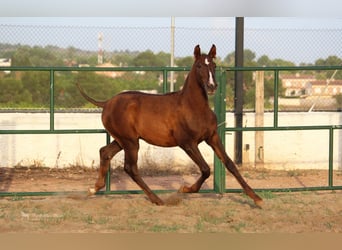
x: 205, y: 69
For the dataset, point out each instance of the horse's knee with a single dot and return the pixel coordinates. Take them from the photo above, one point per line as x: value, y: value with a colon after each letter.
x: 102, y: 151
x: 128, y: 169
x: 105, y: 153
x: 131, y: 169
x: 206, y: 172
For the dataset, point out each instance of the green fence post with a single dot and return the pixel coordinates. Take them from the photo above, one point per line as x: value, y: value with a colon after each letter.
x: 108, y: 182
x: 331, y: 157
x: 165, y: 90
x: 52, y: 100
x: 276, y: 95
x: 220, y: 110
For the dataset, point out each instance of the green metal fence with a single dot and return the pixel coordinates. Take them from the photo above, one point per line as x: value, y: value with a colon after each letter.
x: 220, y: 110
x: 219, y: 168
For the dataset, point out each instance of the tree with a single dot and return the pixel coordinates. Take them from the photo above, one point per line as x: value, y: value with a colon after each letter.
x: 22, y: 57
x: 148, y: 58
x: 10, y: 90
x: 185, y: 61
x: 282, y: 63
x: 248, y: 56
x: 330, y: 61
x: 164, y: 58
x: 264, y: 61
x: 229, y: 60
x: 122, y: 59
x: 37, y: 83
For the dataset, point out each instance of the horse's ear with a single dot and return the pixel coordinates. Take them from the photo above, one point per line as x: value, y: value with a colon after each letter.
x: 197, y: 52
x: 212, y: 52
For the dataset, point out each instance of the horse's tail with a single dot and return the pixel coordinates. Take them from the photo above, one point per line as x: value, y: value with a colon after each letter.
x: 89, y: 99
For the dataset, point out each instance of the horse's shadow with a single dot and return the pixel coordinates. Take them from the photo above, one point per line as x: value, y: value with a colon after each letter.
x: 176, y: 198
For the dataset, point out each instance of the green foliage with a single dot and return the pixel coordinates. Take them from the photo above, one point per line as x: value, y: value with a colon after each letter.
x: 98, y: 86
x: 148, y: 58
x: 11, y: 90
x: 32, y: 88
x: 36, y: 56
x: 185, y: 61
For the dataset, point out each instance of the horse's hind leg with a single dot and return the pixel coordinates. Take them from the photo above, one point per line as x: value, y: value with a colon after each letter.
x: 197, y: 157
x: 131, y: 168
x: 106, y: 154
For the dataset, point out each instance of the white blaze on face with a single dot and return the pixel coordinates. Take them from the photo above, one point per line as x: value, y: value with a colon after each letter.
x: 211, y: 79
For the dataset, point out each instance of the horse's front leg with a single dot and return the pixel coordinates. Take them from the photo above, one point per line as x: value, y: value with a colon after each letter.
x: 215, y: 142
x: 196, y: 156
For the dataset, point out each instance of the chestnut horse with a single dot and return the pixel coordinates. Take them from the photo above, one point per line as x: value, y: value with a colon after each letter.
x: 181, y: 118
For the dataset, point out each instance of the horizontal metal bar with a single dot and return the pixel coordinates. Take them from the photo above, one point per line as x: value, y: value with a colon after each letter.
x: 92, y: 131
x: 85, y: 193
x: 259, y: 68
x: 94, y: 68
x: 318, y: 127
x: 117, y: 192
x: 284, y: 68
x: 228, y: 129
x: 294, y: 189
x: 56, y: 131
x: 158, y: 191
x: 57, y: 193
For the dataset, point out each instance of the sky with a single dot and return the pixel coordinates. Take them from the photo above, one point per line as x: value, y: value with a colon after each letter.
x: 296, y: 39
x: 70, y: 8
x: 199, y: 22
x: 201, y: 14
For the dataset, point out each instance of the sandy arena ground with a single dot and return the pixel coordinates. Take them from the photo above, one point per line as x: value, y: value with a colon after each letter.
x: 291, y: 212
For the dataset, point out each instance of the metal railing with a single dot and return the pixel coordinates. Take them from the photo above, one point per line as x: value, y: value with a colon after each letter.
x: 219, y: 168
x: 52, y: 130
x: 220, y: 110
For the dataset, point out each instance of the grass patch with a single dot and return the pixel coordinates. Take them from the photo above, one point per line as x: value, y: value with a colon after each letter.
x: 267, y: 195
x: 17, y: 198
x: 239, y: 227
x: 164, y: 228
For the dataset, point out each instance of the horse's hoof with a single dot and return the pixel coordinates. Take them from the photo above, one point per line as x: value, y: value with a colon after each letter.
x: 184, y: 189
x: 180, y: 190
x: 91, y: 191
x: 258, y: 203
x: 158, y: 202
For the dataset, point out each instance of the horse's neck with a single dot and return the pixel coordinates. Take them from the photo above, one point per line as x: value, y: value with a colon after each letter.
x: 192, y: 91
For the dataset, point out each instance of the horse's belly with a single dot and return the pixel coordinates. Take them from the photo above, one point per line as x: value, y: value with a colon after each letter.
x: 160, y: 137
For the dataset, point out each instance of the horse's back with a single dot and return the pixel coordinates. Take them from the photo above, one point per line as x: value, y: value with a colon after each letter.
x: 139, y: 115
x: 144, y: 103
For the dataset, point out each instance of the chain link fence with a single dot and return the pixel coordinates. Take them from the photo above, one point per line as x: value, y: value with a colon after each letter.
x: 60, y: 45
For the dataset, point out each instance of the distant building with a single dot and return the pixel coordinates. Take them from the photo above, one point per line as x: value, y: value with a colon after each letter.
x: 70, y: 63
x: 307, y: 85
x: 112, y: 74
x: 6, y: 62
x: 324, y: 88
x: 295, y: 85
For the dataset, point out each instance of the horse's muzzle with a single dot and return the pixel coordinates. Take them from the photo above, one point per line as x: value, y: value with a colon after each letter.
x: 211, y: 88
